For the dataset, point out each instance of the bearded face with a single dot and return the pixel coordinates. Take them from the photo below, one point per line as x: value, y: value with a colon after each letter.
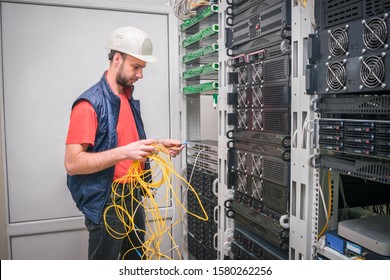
x: 122, y: 79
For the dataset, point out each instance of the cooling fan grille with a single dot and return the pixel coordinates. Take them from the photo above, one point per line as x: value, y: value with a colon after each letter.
x: 257, y: 189
x: 242, y: 183
x: 375, y: 33
x: 258, y: 123
x: 242, y: 75
x: 372, y: 71
x: 242, y: 98
x: 336, y: 75
x: 243, y: 119
x: 257, y: 165
x: 338, y: 42
x: 257, y: 96
x: 241, y: 161
x: 257, y: 73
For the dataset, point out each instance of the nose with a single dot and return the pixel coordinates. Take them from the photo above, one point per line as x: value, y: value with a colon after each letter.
x: 139, y: 74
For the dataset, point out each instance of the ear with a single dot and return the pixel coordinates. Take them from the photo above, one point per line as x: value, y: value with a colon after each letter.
x: 117, y: 59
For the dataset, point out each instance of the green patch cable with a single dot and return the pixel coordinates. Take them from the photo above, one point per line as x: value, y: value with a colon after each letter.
x: 201, y: 70
x: 198, y: 18
x: 200, y: 52
x: 210, y: 86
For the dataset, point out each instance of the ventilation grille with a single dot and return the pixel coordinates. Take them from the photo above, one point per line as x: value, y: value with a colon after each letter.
x: 276, y: 70
x: 242, y: 75
x: 337, y: 4
x: 275, y: 171
x: 375, y: 7
x: 276, y: 120
x: 372, y: 71
x: 243, y: 119
x: 378, y: 103
x: 343, y: 15
x: 242, y: 98
x: 275, y: 196
x: 336, y: 75
x: 383, y: 128
x: 263, y: 96
x: 257, y: 189
x: 242, y: 183
x: 257, y: 73
x: 257, y: 96
x: 374, y: 171
x: 276, y: 95
x: 241, y: 161
x: 375, y: 33
x: 338, y: 42
x: 258, y: 120
x: 257, y: 165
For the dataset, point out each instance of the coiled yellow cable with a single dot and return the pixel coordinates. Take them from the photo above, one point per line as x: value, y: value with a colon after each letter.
x: 162, y: 172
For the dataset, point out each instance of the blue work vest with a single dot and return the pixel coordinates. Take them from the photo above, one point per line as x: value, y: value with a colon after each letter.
x: 91, y: 191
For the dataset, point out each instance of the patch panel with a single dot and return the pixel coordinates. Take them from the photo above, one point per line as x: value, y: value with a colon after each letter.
x: 207, y: 69
x: 199, y: 88
x: 200, y: 53
x: 208, y: 31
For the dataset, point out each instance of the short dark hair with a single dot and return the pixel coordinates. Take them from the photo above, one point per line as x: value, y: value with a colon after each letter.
x: 112, y: 53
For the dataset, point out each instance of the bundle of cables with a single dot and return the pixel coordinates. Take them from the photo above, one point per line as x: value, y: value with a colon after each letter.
x: 184, y: 9
x: 162, y: 173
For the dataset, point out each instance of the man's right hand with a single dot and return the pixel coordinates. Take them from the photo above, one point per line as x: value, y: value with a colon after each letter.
x: 139, y: 150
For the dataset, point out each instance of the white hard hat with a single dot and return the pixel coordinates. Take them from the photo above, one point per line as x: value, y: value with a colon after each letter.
x: 133, y: 41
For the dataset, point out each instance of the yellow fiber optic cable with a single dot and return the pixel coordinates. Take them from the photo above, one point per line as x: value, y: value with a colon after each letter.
x: 329, y: 205
x: 161, y: 172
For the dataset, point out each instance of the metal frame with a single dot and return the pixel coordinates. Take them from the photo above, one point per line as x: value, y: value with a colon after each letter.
x: 304, y: 176
x: 225, y: 229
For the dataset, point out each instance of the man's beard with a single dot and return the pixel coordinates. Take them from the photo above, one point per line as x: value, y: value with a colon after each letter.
x: 121, y: 79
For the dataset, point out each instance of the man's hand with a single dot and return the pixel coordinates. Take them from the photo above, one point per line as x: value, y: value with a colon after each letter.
x: 173, y: 146
x: 139, y: 150
x: 79, y: 161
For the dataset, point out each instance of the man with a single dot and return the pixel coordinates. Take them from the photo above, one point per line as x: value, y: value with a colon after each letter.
x: 105, y: 135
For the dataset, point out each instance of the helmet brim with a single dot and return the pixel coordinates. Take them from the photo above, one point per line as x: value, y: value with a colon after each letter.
x: 146, y: 58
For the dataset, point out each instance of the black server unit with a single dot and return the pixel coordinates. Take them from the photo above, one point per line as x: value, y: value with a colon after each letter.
x: 258, y: 45
x: 202, y: 175
x: 349, y: 74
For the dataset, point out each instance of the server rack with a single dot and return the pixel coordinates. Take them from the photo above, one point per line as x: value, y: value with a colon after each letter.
x: 302, y: 119
x: 348, y: 79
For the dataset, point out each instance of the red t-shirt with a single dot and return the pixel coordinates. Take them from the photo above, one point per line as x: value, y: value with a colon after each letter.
x: 83, y: 125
